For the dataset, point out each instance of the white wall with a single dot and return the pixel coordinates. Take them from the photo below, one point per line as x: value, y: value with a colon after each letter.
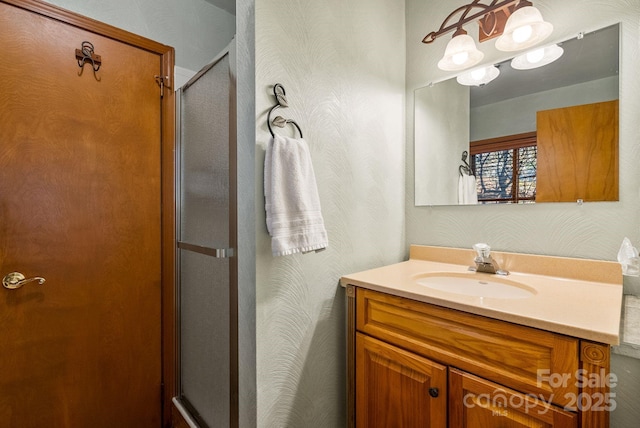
x: 443, y: 110
x: 593, y: 230
x: 342, y: 65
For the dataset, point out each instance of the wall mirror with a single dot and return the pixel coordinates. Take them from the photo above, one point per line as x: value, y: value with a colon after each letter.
x: 526, y: 132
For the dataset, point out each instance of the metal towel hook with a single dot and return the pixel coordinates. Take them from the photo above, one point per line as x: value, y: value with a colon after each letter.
x: 281, y: 101
x: 86, y: 54
x: 466, y: 168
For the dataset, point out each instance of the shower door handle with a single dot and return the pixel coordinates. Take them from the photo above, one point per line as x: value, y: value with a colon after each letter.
x: 218, y: 253
x: 16, y: 280
x: 223, y: 253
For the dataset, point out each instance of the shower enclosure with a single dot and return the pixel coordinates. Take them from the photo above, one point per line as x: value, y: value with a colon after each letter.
x: 206, y: 236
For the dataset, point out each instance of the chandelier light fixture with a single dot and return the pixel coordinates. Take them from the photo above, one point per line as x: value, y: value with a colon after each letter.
x: 524, y: 28
x: 460, y: 53
x: 517, y: 24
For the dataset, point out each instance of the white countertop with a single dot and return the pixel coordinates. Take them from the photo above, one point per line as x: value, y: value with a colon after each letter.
x: 574, y: 307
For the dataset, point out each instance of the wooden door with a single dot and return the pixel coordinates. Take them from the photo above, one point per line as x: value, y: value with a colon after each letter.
x: 81, y: 163
x: 478, y: 403
x: 396, y: 388
x: 578, y: 153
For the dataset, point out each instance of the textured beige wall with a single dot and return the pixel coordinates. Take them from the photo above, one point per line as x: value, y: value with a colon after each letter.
x: 342, y: 65
x: 245, y: 47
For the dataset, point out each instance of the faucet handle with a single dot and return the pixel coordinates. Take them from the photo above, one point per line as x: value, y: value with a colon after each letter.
x: 482, y: 249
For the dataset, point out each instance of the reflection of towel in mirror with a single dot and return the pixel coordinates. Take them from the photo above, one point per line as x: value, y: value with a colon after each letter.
x: 467, y: 192
x: 294, y: 219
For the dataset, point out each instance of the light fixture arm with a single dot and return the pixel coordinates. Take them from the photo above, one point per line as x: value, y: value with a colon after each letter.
x: 466, y: 18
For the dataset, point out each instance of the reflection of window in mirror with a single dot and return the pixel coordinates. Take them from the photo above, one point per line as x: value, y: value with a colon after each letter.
x: 505, y: 168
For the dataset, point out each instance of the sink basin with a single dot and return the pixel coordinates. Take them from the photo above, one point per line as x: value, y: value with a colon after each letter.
x: 476, y: 284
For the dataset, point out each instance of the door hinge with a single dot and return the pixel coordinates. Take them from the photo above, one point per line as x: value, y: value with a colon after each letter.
x: 162, y: 81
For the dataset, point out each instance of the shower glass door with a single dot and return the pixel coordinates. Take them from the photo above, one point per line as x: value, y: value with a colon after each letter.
x: 207, y: 272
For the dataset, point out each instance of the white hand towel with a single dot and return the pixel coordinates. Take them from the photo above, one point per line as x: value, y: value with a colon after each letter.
x: 467, y: 192
x: 294, y: 218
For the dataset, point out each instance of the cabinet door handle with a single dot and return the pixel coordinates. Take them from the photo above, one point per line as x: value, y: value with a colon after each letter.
x: 434, y: 392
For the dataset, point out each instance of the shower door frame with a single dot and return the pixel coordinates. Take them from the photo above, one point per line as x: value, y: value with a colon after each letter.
x: 180, y: 410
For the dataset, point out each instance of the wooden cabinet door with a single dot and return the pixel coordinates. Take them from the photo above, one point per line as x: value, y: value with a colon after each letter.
x: 578, y: 153
x: 478, y: 403
x: 396, y: 388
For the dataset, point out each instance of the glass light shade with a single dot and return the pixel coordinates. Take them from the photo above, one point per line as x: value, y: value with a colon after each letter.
x: 461, y: 53
x: 537, y: 57
x: 523, y: 29
x: 479, y: 76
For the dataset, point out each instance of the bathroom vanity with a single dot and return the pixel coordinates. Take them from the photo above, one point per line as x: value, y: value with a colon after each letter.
x: 432, y: 344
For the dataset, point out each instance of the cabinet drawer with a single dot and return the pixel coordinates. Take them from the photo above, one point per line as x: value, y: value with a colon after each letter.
x: 526, y: 359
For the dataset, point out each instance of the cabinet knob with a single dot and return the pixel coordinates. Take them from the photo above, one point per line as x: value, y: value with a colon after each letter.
x: 434, y: 392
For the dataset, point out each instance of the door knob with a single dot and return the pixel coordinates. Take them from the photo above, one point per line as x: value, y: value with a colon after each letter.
x: 15, y: 280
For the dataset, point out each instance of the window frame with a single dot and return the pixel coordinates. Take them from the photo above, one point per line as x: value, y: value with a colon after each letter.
x: 509, y: 142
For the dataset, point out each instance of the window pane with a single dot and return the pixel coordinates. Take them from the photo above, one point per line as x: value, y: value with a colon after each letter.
x: 494, y: 174
x: 527, y: 166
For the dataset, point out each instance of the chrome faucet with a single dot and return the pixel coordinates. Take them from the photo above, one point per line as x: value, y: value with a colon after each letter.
x: 484, y: 262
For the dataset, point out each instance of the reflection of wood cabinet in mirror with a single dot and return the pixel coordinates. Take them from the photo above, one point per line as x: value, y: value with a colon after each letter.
x: 578, y: 153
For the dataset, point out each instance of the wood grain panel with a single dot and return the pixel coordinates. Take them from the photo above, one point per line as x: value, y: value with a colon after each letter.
x: 350, y: 291
x: 595, y: 400
x: 478, y: 403
x: 85, y: 161
x: 393, y: 387
x: 506, y: 353
x: 578, y: 153
x: 177, y: 421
